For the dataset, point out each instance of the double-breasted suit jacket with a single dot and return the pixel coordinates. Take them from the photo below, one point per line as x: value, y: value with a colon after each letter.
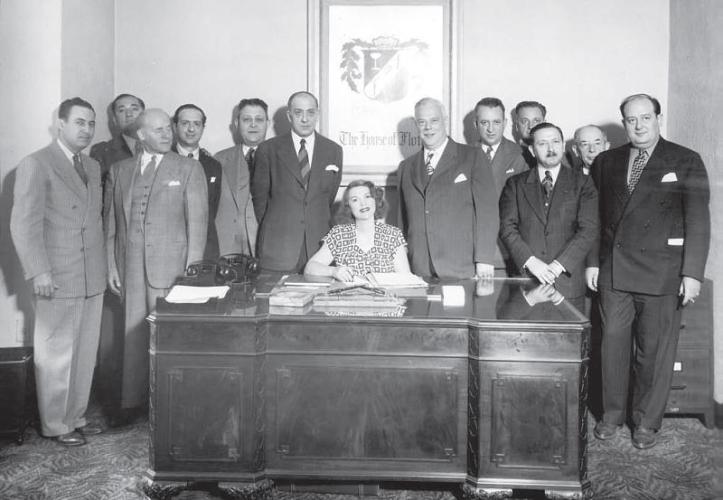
x: 566, y: 232
x: 236, y: 223
x: 450, y: 219
x: 56, y: 222
x: 175, y: 219
x: 661, y: 232
x: 289, y: 214
x: 56, y: 228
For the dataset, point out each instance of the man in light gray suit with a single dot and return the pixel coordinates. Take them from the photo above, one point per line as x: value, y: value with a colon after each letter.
x: 155, y: 226
x: 57, y: 231
x: 236, y: 223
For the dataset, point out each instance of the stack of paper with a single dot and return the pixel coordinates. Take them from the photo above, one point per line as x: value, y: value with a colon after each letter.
x: 182, y: 294
x: 392, y: 280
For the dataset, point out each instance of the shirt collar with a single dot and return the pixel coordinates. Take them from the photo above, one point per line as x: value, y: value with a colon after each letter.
x: 554, y: 172
x: 146, y: 157
x: 184, y: 152
x: 67, y: 152
x: 495, y: 147
x: 438, y: 150
x: 297, y: 140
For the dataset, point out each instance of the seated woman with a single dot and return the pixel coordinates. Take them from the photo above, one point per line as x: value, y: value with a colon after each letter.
x: 366, y: 245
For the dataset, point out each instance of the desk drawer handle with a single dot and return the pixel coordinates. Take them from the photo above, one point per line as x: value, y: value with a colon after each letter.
x: 678, y: 387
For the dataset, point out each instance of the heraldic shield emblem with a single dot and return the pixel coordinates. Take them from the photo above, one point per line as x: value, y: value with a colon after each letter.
x: 383, y: 69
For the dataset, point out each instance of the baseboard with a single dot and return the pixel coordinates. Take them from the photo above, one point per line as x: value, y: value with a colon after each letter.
x: 718, y: 414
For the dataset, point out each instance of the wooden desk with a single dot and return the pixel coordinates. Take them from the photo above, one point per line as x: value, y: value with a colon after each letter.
x: 490, y: 395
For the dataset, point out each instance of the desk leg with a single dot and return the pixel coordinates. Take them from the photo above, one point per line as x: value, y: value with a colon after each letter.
x: 161, y: 490
x: 166, y: 490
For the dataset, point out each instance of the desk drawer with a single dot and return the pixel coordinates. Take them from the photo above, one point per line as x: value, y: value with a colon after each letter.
x: 691, y: 385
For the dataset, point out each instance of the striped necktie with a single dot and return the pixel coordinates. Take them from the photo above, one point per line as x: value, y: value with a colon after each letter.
x: 78, y: 165
x: 304, y: 161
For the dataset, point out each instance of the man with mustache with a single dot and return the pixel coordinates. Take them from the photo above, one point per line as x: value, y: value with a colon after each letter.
x: 549, y: 217
x: 58, y: 234
x: 125, y: 108
x: 155, y: 227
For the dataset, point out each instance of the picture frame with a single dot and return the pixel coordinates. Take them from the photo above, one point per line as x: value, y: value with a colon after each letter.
x: 370, y: 62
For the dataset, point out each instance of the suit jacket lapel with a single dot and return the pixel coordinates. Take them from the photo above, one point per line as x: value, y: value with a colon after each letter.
x: 648, y: 182
x: 619, y: 175
x: 66, y: 171
x: 418, y: 173
x: 127, y: 179
x: 445, y: 161
x: 291, y: 160
x: 561, y: 192
x: 532, y: 190
x: 232, y: 171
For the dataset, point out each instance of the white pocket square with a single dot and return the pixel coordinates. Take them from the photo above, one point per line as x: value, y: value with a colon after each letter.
x: 675, y: 242
x: 669, y: 177
x: 213, y: 179
x: 510, y: 171
x: 460, y: 178
x: 174, y: 183
x: 332, y: 168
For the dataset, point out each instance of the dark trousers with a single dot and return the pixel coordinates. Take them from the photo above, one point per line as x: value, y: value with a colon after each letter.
x: 643, y: 330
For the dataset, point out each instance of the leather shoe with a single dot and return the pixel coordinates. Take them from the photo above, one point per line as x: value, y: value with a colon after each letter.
x: 604, y: 430
x: 643, y: 438
x: 90, y: 430
x: 70, y: 439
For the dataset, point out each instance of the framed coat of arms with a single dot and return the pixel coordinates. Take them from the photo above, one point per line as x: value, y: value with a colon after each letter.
x: 374, y: 60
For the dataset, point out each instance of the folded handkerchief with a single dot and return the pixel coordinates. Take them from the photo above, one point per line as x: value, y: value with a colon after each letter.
x: 213, y: 179
x: 174, y: 183
x: 669, y: 177
x: 510, y: 171
x: 675, y: 242
x: 460, y: 178
x: 332, y: 168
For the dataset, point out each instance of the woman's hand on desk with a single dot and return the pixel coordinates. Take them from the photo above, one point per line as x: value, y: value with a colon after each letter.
x: 343, y: 273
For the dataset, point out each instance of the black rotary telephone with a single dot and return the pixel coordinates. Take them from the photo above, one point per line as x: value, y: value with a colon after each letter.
x: 230, y: 268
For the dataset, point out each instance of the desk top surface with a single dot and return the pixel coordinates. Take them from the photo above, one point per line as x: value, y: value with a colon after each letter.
x: 494, y: 300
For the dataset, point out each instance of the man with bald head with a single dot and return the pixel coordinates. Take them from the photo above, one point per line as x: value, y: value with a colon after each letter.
x: 155, y: 226
x: 589, y: 141
x: 447, y: 202
x: 294, y: 184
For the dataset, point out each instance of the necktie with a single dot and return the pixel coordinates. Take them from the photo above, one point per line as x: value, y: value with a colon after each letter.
x: 488, y: 152
x: 637, y: 169
x: 304, y: 160
x: 547, y: 186
x: 150, y: 167
x: 79, y: 168
x: 428, y: 163
x: 190, y: 155
x: 250, y: 157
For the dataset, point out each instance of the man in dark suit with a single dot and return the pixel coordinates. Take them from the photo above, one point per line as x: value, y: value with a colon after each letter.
x: 124, y: 144
x: 295, y: 181
x: 236, y: 223
x: 447, y: 202
x: 125, y: 109
x: 653, y: 247
x: 504, y: 156
x: 155, y: 227
x: 589, y: 141
x: 57, y: 230
x: 189, y: 122
x: 526, y: 115
x: 549, y: 217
